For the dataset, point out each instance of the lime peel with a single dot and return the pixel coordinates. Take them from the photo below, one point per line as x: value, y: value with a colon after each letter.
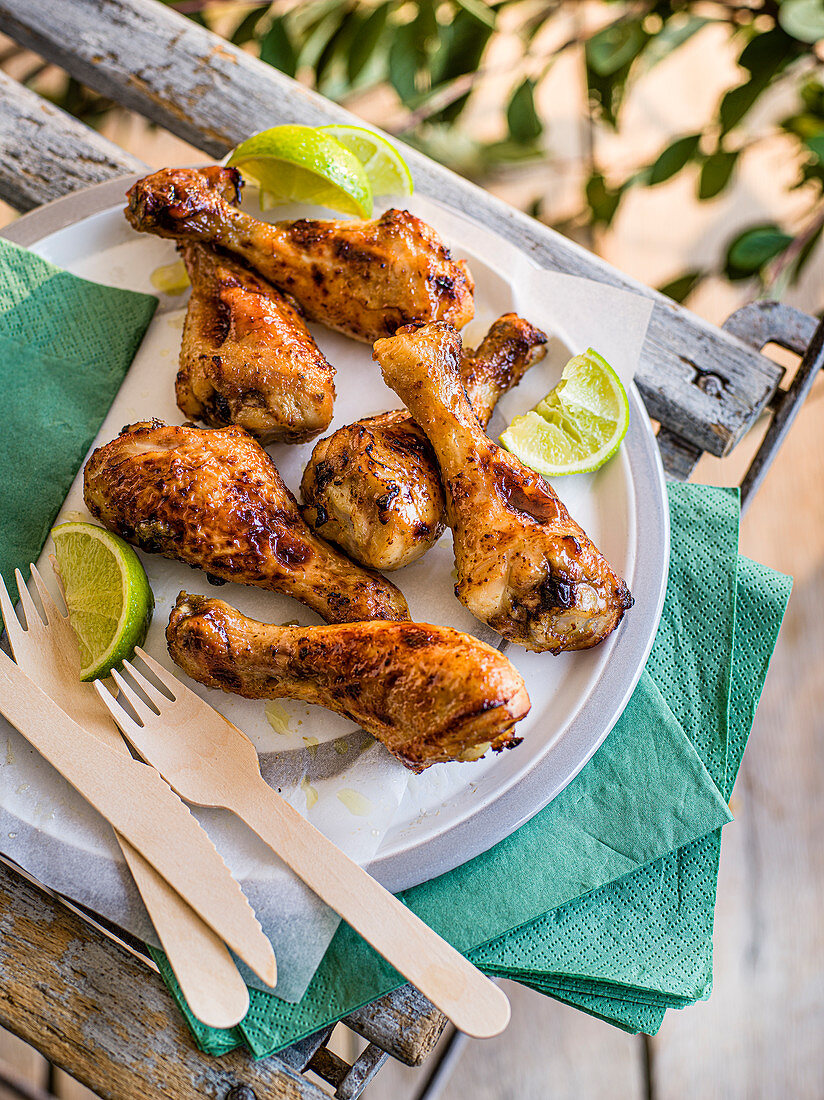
x: 294, y: 163
x: 107, y: 594
x: 388, y: 172
x: 578, y: 426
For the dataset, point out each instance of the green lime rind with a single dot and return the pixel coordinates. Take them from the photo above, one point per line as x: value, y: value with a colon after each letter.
x: 578, y: 426
x: 294, y: 163
x: 388, y: 172
x: 108, y: 596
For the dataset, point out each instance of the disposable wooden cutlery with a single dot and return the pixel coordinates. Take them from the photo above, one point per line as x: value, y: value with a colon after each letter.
x: 210, y: 762
x: 140, y: 806
x: 204, y: 968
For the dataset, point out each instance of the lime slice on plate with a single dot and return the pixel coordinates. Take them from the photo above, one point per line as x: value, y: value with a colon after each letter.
x: 304, y: 164
x: 107, y: 593
x: 388, y: 172
x: 578, y: 426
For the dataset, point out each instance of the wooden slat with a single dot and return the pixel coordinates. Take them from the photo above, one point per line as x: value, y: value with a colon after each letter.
x: 93, y: 1008
x: 210, y: 93
x: 678, y: 455
x: 46, y: 153
x: 403, y: 1023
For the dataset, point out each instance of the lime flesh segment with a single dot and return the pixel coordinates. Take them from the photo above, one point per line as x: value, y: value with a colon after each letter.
x: 388, y: 172
x: 578, y: 426
x: 304, y: 164
x: 107, y: 594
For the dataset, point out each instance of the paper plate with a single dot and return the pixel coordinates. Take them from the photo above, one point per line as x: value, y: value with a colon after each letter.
x: 451, y: 812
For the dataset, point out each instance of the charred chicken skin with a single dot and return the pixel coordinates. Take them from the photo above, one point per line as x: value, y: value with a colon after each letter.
x: 247, y: 358
x: 363, y: 278
x: 215, y: 500
x: 373, y: 487
x: 430, y: 693
x: 524, y: 565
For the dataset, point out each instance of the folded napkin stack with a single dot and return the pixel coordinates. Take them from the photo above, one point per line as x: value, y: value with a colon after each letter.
x: 605, y: 898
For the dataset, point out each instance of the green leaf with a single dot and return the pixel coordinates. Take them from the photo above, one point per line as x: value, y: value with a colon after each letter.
x: 521, y: 117
x: 276, y: 47
x: 767, y: 52
x: 336, y: 49
x: 245, y: 30
x: 680, y: 288
x: 675, y: 32
x: 405, y: 61
x: 675, y: 157
x: 479, y: 11
x: 764, y: 57
x: 803, y: 19
x: 366, y: 41
x: 804, y: 125
x: 812, y: 96
x: 460, y: 48
x: 603, y: 200
x: 615, y: 46
x: 754, y: 248
x: 716, y: 173
x: 816, y: 146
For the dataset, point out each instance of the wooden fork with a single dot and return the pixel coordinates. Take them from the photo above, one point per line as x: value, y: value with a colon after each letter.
x: 210, y: 762
x: 203, y: 966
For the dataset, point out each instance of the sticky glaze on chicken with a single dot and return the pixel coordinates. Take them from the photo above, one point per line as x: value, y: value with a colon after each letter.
x: 215, y: 500
x: 247, y: 358
x: 429, y: 693
x: 524, y: 565
x: 373, y: 487
x: 364, y: 278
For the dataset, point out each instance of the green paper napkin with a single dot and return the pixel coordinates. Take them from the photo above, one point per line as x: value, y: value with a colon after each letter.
x: 761, y: 600
x: 65, y: 345
x: 349, y: 975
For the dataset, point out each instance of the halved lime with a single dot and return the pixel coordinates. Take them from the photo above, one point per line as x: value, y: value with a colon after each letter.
x: 304, y: 164
x: 578, y: 426
x: 107, y: 593
x: 388, y: 172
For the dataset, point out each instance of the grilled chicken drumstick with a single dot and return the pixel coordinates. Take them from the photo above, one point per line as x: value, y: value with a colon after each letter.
x: 429, y: 693
x: 214, y: 499
x: 524, y: 566
x: 247, y: 358
x: 364, y: 278
x: 373, y: 487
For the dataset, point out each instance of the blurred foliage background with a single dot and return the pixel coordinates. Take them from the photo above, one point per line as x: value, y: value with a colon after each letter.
x: 427, y: 63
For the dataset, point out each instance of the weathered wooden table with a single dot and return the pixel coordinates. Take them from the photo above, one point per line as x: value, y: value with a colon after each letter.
x: 94, y: 1006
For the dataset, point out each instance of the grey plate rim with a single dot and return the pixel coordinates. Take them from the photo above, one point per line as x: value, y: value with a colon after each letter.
x: 551, y: 772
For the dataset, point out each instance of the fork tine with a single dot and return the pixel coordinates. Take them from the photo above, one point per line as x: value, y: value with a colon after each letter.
x: 115, y: 708
x: 140, y: 707
x: 50, y: 608
x: 31, y: 613
x: 168, y: 679
x: 13, y: 627
x: 146, y: 686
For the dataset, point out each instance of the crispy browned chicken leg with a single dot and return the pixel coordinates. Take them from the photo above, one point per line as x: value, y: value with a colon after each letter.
x: 247, y: 358
x: 373, y: 487
x: 524, y: 566
x: 362, y: 278
x: 214, y: 499
x: 429, y: 693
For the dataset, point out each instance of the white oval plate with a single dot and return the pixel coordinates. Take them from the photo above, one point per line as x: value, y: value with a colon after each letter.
x: 451, y: 812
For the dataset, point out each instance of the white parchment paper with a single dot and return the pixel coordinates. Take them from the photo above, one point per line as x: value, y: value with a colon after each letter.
x: 346, y: 784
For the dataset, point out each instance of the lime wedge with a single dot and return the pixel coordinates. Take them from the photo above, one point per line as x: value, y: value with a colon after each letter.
x: 388, y: 172
x: 304, y: 164
x: 107, y: 593
x: 578, y: 426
